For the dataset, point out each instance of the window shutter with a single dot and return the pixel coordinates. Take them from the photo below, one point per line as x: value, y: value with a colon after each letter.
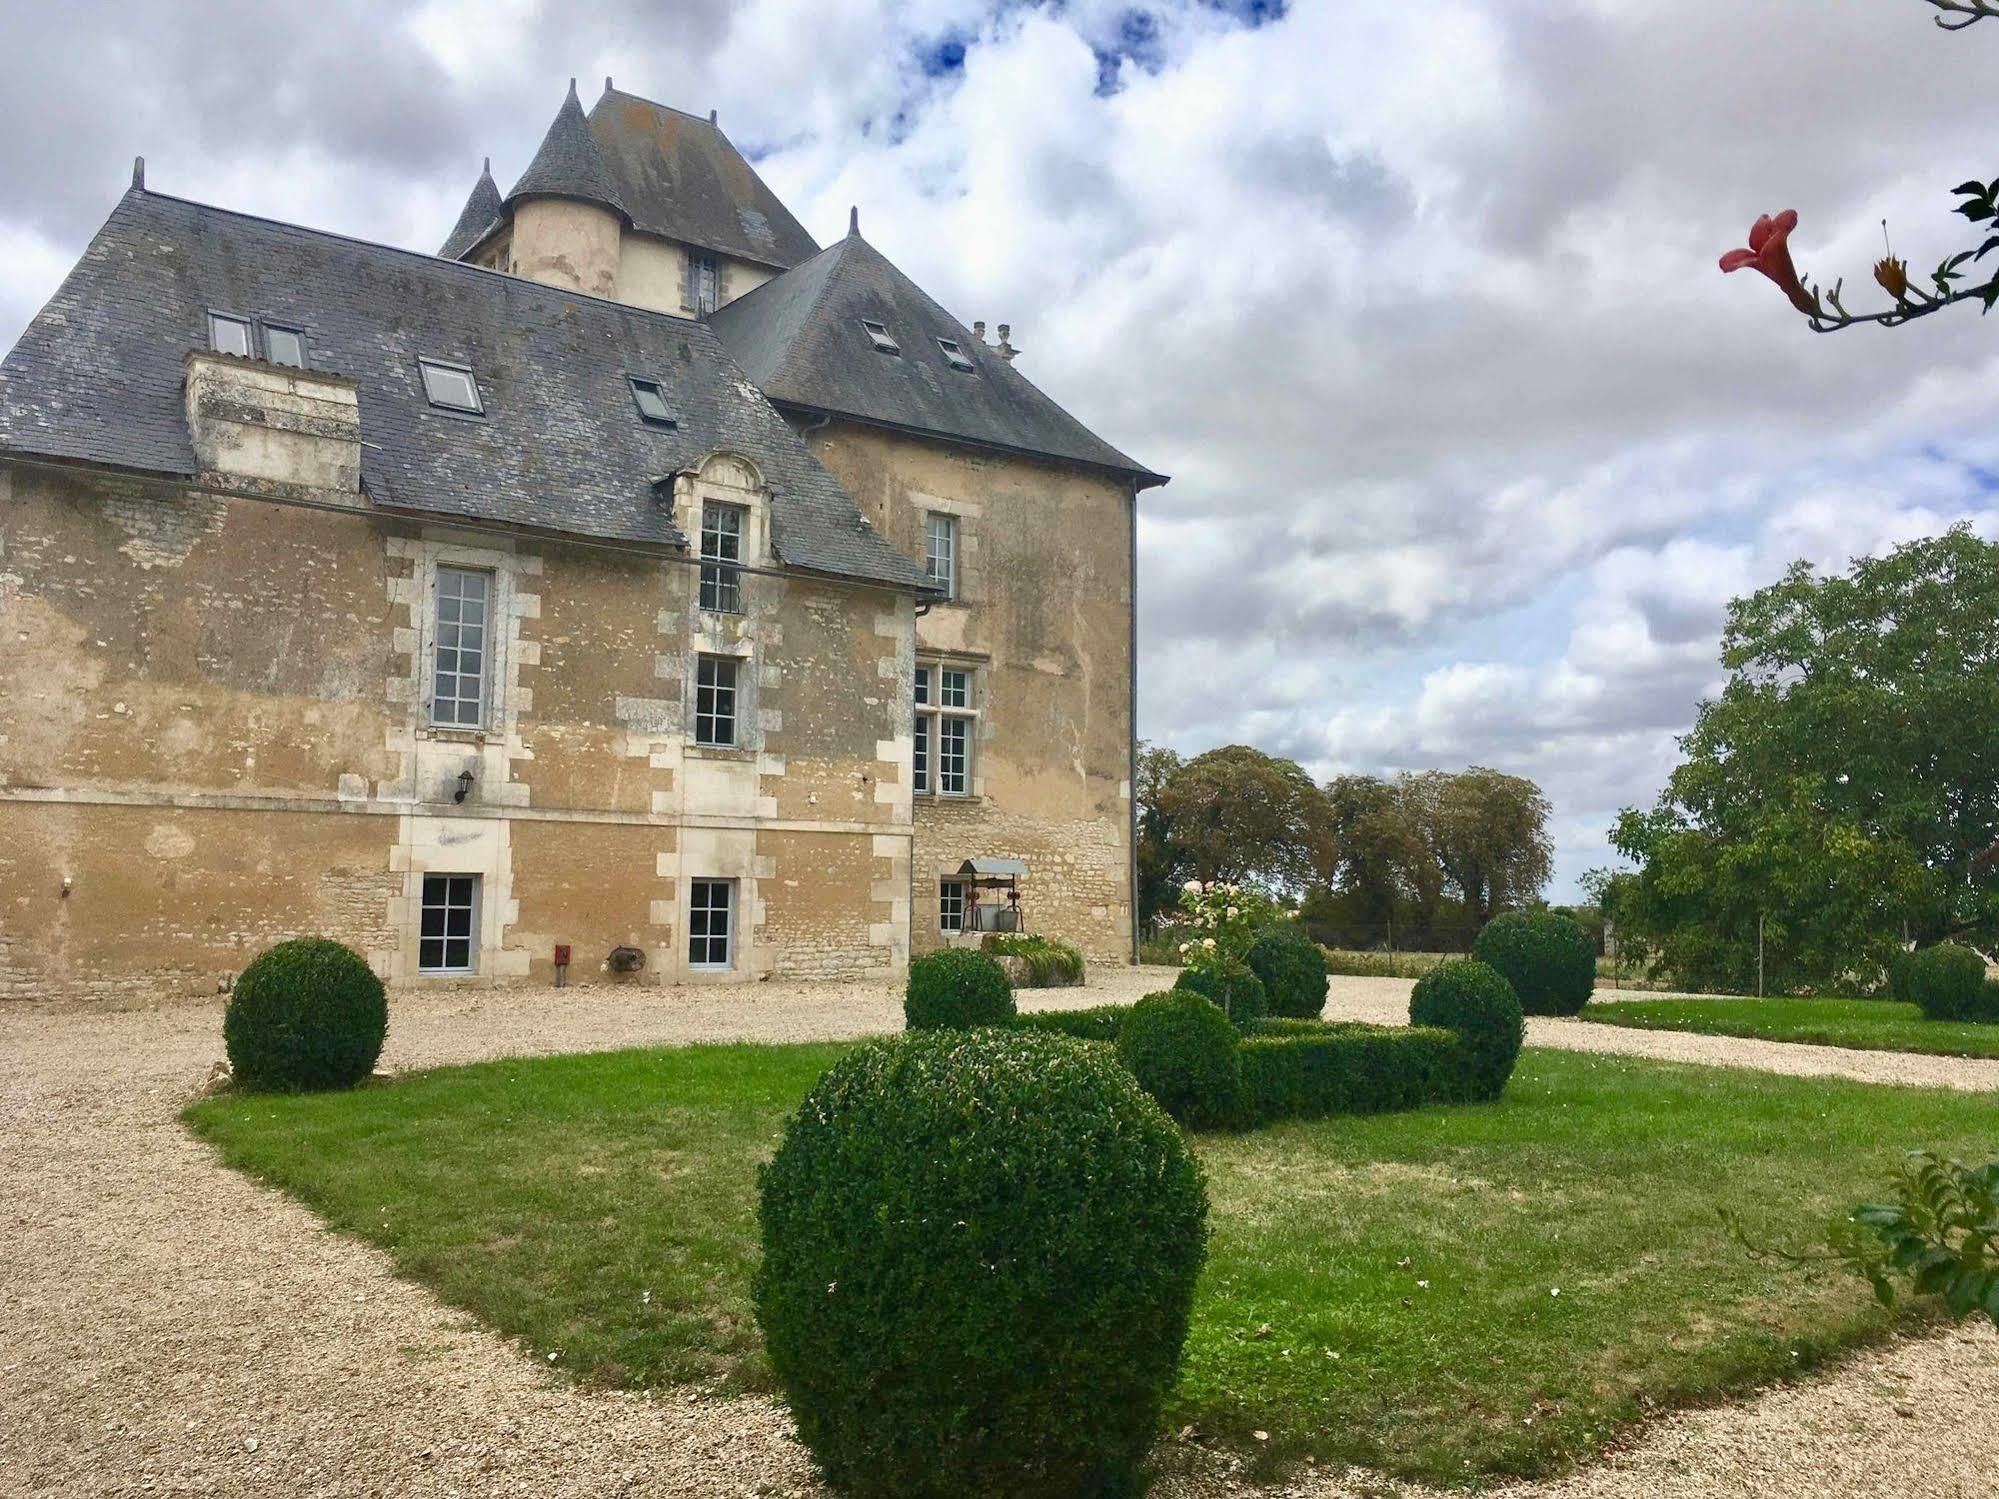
x: 691, y: 267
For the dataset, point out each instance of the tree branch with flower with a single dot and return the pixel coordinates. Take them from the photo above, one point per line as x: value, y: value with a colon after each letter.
x: 1218, y: 922
x: 1769, y: 248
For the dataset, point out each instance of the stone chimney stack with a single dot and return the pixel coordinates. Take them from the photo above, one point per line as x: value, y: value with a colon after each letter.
x: 1006, y: 349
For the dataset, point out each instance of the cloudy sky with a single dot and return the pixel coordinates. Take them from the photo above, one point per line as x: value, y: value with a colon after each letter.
x: 1471, y: 442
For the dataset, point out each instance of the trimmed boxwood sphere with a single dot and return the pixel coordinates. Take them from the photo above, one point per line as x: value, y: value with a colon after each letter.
x: 1242, y: 998
x: 1947, y: 982
x: 305, y: 1015
x: 1183, y: 1051
x: 979, y: 1256
x: 1473, y: 999
x: 1547, y: 957
x: 1293, y: 971
x: 956, y: 987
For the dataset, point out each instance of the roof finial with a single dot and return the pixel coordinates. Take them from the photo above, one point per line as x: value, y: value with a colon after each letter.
x: 572, y: 90
x: 714, y: 117
x: 487, y: 169
x: 854, y: 219
x: 139, y: 173
x: 607, y: 83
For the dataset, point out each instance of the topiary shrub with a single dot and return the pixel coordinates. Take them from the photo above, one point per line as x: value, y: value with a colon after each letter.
x: 1292, y: 969
x: 979, y: 1256
x: 1308, y: 1069
x: 956, y: 987
x: 1947, y: 982
x: 1547, y: 957
x: 1048, y: 963
x: 305, y: 1015
x: 1098, y: 1023
x: 1474, y: 1000
x: 1182, y: 1050
x: 1242, y: 998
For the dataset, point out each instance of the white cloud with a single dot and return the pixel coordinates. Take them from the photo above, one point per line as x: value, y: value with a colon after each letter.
x: 1471, y: 441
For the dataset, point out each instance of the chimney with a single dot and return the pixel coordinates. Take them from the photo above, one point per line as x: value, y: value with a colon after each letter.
x: 274, y: 427
x: 1006, y: 349
x: 979, y: 331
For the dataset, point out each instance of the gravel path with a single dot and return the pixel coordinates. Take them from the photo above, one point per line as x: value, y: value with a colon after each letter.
x: 170, y: 1327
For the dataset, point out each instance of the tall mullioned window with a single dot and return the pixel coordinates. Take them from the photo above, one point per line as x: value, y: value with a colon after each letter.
x: 721, y: 545
x: 447, y: 942
x: 940, y: 551
x: 704, y: 283
x: 946, y: 711
x: 460, y: 652
x: 711, y: 923
x: 715, y: 679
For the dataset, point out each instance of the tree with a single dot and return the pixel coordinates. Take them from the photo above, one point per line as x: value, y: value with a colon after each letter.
x: 1487, y: 833
x: 1769, y: 248
x: 1161, y: 865
x: 1384, y: 865
x: 1238, y: 814
x: 1845, y: 784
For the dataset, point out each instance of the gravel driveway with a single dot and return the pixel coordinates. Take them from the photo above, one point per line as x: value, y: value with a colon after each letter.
x: 170, y: 1327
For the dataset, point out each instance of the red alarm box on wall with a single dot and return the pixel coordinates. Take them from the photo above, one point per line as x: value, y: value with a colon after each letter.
x: 562, y: 955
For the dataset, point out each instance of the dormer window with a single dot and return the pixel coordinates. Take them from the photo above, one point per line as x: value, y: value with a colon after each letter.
x: 955, y: 355
x: 229, y: 335
x: 880, y: 337
x: 450, y: 387
x: 650, y: 396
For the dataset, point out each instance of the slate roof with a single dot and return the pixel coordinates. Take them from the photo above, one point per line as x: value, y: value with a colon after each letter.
x: 97, y: 378
x: 799, y: 338
x: 481, y: 212
x: 680, y: 177
x: 568, y: 163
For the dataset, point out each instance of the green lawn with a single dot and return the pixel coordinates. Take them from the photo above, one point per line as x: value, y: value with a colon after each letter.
x: 1866, y: 1024
x: 1381, y: 1290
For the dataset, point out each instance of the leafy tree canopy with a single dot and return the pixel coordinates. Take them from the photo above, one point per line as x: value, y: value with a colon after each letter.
x: 1845, y: 783
x: 1238, y: 814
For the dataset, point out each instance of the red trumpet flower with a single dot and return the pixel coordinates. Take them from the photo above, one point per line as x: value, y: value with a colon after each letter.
x: 1770, y: 252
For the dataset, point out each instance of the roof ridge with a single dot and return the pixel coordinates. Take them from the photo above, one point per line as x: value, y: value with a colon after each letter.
x: 711, y: 119
x: 377, y: 244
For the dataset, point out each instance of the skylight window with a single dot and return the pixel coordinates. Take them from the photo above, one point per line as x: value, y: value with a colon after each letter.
x: 229, y: 335
x: 880, y: 337
x: 955, y: 355
x: 450, y: 387
x: 284, y: 346
x: 650, y: 396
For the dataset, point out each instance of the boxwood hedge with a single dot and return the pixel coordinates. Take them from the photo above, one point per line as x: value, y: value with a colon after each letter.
x: 979, y: 1257
x: 956, y: 987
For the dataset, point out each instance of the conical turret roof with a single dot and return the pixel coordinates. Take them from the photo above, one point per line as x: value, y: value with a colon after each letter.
x: 569, y: 165
x: 482, y: 211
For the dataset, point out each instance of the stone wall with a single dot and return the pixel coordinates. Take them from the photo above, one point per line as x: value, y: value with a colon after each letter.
x: 214, y: 727
x: 1044, y: 619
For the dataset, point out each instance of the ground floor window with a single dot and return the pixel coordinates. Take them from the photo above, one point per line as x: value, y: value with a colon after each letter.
x: 951, y: 906
x: 448, y: 938
x: 711, y: 921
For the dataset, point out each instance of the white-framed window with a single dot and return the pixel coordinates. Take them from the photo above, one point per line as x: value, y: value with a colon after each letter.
x: 448, y: 940
x: 461, y: 647
x: 450, y: 387
x: 721, y: 544
x: 715, y: 679
x: 711, y: 924
x: 946, y: 710
x: 229, y: 334
x: 940, y: 550
x: 284, y: 345
x: 704, y: 282
x: 950, y: 905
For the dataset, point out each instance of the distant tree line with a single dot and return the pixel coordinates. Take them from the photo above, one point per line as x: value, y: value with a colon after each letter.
x: 1418, y: 861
